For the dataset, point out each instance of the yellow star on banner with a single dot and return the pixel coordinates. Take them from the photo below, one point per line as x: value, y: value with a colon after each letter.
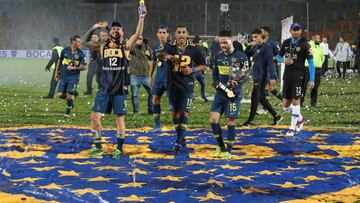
x: 227, y: 166
x: 68, y: 173
x: 273, y: 131
x: 28, y: 179
x: 212, y: 181
x: 169, y: 167
x: 22, y: 155
x: 347, y: 168
x: 132, y: 198
x: 98, y: 179
x: 138, y: 171
x: 32, y: 161
x: 303, y: 162
x: 203, y: 171
x: 140, y: 161
x: 289, y: 168
x: 193, y: 162
x: 103, y: 168
x: 267, y: 172
x: 46, y: 168
x: 85, y: 163
x: 312, y: 178
x: 88, y: 190
x: 210, y: 196
x: 338, y: 173
x: 52, y: 186
x: 7, y: 197
x: 132, y: 184
x: 253, y: 189
x: 291, y: 185
x: 171, y: 178
x: 143, y: 139
x: 5, y: 173
x: 171, y: 189
x: 240, y: 177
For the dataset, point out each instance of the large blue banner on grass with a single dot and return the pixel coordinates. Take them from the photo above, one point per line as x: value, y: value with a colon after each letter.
x: 50, y: 164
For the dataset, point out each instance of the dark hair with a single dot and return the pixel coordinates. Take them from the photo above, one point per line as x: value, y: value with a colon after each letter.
x: 56, y: 40
x: 256, y: 31
x: 95, y: 34
x: 164, y: 27
x: 342, y: 38
x: 74, y: 37
x: 181, y: 26
x: 266, y: 29
x: 225, y: 33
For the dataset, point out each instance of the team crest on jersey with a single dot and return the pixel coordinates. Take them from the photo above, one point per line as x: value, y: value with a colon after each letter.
x: 298, y: 49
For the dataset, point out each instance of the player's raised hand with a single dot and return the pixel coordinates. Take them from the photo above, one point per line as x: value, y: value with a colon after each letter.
x: 100, y: 25
x: 142, y: 11
x: 310, y: 85
x: 186, y: 70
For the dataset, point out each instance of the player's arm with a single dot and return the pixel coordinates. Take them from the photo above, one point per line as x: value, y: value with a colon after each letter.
x: 268, y: 56
x: 131, y: 42
x: 310, y: 59
x: 199, y: 64
x: 87, y: 36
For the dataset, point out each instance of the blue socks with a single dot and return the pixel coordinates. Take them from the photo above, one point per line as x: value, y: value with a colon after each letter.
x: 230, y: 137
x: 157, y: 112
x: 120, y: 141
x: 216, y: 130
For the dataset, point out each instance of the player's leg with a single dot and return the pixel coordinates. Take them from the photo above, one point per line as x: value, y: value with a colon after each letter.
x: 232, y: 113
x: 156, y: 100
x: 184, y: 103
x: 62, y: 89
x: 255, y: 94
x: 296, y: 117
x: 200, y: 77
x: 147, y: 87
x: 119, y: 104
x: 314, y: 91
x: 102, y: 105
x: 96, y: 130
x: 217, y: 107
x: 70, y: 95
x: 266, y: 104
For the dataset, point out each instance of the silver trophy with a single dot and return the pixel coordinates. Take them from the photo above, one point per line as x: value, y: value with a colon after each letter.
x: 239, y: 74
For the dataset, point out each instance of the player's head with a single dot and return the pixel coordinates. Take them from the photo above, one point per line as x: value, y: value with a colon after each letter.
x: 94, y: 37
x: 265, y: 30
x: 341, y: 39
x: 256, y: 35
x: 163, y: 33
x: 103, y: 36
x: 324, y: 39
x: 116, y: 31
x: 56, y: 41
x: 225, y: 40
x: 75, y: 41
x: 317, y: 39
x: 181, y: 34
x: 197, y: 40
x: 295, y: 30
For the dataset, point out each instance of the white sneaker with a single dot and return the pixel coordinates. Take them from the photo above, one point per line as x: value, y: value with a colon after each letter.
x: 300, y: 125
x: 290, y: 133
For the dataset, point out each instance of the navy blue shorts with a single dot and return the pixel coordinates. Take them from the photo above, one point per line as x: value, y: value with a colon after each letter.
x: 181, y: 102
x: 68, y: 85
x: 159, y: 88
x: 107, y: 104
x: 221, y: 104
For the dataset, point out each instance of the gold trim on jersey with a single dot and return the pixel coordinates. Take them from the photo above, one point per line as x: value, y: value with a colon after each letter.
x: 67, y: 62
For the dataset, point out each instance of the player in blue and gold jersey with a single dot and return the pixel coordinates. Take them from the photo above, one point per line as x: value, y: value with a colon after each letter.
x: 71, y: 62
x: 223, y: 104
x: 159, y: 83
x: 185, y: 60
x: 114, y: 80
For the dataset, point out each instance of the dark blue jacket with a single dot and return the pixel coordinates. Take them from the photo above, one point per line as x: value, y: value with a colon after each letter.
x: 264, y: 67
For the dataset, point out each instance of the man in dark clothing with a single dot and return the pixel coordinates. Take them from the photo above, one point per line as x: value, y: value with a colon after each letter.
x: 200, y: 76
x: 263, y: 72
x: 55, y: 55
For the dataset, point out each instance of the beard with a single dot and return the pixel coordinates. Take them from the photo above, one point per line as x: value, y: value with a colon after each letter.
x: 116, y: 37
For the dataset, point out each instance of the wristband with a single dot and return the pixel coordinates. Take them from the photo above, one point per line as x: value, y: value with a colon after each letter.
x: 193, y: 69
